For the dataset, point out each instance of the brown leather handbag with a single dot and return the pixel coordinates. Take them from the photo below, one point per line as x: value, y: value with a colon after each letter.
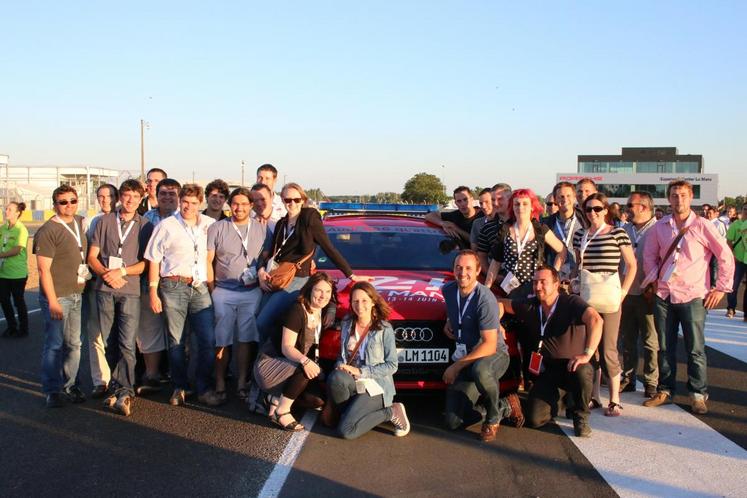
x: 282, y: 276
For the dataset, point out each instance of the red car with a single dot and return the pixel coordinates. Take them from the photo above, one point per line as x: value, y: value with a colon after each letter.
x: 409, y: 260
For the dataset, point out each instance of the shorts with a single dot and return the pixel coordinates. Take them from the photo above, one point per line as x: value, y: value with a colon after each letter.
x: 235, y: 312
x: 151, y: 336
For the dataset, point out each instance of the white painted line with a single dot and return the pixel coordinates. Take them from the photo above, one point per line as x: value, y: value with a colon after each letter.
x: 727, y: 335
x: 36, y: 310
x: 662, y: 451
x: 279, y: 474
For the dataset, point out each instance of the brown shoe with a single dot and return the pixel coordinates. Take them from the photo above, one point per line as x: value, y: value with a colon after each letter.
x: 517, y: 416
x: 489, y: 432
x: 698, y: 406
x: 661, y: 398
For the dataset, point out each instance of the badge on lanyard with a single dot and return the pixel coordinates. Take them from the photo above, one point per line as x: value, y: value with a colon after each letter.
x: 461, y: 348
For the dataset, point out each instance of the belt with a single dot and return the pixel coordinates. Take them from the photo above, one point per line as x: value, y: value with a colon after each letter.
x: 179, y: 278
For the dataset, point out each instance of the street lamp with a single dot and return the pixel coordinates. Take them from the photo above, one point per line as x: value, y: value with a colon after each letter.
x: 143, y: 125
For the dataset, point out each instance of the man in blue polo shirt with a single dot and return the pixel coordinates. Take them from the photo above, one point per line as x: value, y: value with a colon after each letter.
x: 481, y: 356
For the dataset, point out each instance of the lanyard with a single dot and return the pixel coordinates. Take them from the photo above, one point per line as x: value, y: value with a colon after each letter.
x: 543, y: 324
x: 586, y: 241
x: 638, y: 234
x: 521, y: 244
x: 362, y: 347
x: 244, y: 241
x: 461, y: 311
x: 122, y: 237
x: 75, y: 234
x: 566, y: 236
x: 191, y: 235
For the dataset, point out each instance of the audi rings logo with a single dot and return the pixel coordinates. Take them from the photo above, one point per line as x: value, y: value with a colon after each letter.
x: 413, y: 334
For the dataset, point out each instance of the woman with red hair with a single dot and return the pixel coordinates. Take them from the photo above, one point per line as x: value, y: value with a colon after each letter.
x: 518, y: 250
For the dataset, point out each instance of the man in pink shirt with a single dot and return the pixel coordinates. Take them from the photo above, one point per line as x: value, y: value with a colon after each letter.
x: 684, y: 291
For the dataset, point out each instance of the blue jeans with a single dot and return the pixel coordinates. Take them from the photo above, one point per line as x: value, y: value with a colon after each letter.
x: 669, y: 318
x: 125, y: 310
x: 740, y: 269
x: 360, y: 412
x: 61, y: 352
x: 181, y: 301
x: 273, y: 307
x: 480, y: 378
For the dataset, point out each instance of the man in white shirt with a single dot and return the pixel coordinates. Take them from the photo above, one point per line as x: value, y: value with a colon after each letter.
x: 267, y: 174
x: 177, y: 280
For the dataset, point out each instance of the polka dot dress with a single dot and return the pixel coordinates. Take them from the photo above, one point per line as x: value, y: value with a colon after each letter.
x: 522, y: 267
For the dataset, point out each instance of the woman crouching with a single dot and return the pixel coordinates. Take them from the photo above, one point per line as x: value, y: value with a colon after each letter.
x: 361, y: 387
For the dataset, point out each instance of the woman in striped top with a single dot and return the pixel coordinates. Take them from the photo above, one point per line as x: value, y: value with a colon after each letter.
x: 599, y: 249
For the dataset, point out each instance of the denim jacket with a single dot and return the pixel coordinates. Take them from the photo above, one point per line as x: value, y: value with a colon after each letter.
x: 381, y: 356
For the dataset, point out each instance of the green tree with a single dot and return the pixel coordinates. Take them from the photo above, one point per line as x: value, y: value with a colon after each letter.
x: 388, y: 197
x: 424, y: 188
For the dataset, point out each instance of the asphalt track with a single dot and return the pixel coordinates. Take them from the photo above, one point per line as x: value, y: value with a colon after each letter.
x: 83, y: 450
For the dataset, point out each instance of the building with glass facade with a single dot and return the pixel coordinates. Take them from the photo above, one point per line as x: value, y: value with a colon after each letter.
x: 647, y: 169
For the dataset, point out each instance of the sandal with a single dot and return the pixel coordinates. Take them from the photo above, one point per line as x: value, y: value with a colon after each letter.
x: 270, y: 403
x: 613, y: 410
x: 594, y: 404
x: 294, y: 426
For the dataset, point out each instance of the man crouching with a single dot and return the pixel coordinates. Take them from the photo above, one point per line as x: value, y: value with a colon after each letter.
x: 481, y: 356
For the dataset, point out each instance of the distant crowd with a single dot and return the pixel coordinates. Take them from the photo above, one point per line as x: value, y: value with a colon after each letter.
x: 581, y: 282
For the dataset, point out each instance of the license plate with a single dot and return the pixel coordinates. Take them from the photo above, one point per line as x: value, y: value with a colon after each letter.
x: 423, y: 355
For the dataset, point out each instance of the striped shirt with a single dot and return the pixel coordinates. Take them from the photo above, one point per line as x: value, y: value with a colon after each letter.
x: 489, y: 234
x: 603, y: 252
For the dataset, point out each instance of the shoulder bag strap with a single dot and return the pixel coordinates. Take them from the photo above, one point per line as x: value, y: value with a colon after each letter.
x: 358, y: 345
x: 672, y: 246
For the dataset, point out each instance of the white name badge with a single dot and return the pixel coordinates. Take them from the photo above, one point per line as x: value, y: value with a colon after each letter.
x: 115, y: 263
x: 83, y: 273
x: 271, y: 265
x: 671, y: 272
x: 369, y: 386
x: 510, y: 283
x: 460, y: 352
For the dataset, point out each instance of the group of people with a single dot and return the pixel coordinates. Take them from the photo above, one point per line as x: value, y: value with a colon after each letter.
x: 579, y: 287
x: 152, y: 269
x: 580, y: 291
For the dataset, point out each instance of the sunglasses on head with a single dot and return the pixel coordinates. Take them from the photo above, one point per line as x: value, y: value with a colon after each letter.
x: 596, y: 209
x: 65, y: 203
x: 290, y: 200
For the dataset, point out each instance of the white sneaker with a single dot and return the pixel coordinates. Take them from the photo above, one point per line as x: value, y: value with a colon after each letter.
x: 400, y: 420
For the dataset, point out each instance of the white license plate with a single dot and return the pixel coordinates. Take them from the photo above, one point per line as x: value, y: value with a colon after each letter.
x: 423, y: 355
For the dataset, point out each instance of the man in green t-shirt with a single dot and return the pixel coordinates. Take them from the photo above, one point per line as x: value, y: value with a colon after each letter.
x: 736, y: 236
x: 14, y: 270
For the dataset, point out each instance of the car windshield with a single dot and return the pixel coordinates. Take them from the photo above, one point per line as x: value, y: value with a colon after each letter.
x: 390, y: 248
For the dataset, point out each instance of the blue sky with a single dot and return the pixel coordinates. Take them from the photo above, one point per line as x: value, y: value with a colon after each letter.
x: 356, y: 97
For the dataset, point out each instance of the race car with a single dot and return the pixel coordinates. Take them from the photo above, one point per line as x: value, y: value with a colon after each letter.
x: 409, y: 260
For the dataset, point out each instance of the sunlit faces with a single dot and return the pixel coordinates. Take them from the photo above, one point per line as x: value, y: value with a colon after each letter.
x: 466, y: 269
x: 680, y: 199
x: 522, y: 208
x: 130, y: 201
x: 566, y: 198
x: 241, y: 206
x: 486, y: 203
x: 361, y: 304
x: 595, y: 212
x: 66, y: 204
x: 584, y: 190
x: 503, y: 198
x: 266, y: 177
x: 463, y: 201
x: 189, y: 206
x: 293, y: 201
x: 262, y: 203
x: 545, y: 286
x: 105, y: 199
x: 637, y: 211
x: 321, y: 293
x: 11, y: 213
x: 216, y: 200
x: 152, y: 182
x: 168, y: 199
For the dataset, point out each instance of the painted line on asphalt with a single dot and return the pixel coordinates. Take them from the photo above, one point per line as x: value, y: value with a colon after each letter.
x: 276, y: 480
x: 727, y: 335
x: 30, y: 311
x: 664, y: 451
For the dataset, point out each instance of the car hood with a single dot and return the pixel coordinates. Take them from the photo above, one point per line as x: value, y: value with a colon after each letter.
x: 412, y: 295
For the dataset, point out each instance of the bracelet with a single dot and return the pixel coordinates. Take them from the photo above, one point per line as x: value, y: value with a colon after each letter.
x: 588, y: 351
x: 153, y: 283
x: 124, y: 271
x: 305, y: 362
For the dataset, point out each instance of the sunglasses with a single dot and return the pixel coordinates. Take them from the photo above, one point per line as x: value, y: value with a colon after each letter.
x: 631, y: 204
x: 65, y: 203
x: 291, y: 200
x: 596, y: 209
x: 551, y: 204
